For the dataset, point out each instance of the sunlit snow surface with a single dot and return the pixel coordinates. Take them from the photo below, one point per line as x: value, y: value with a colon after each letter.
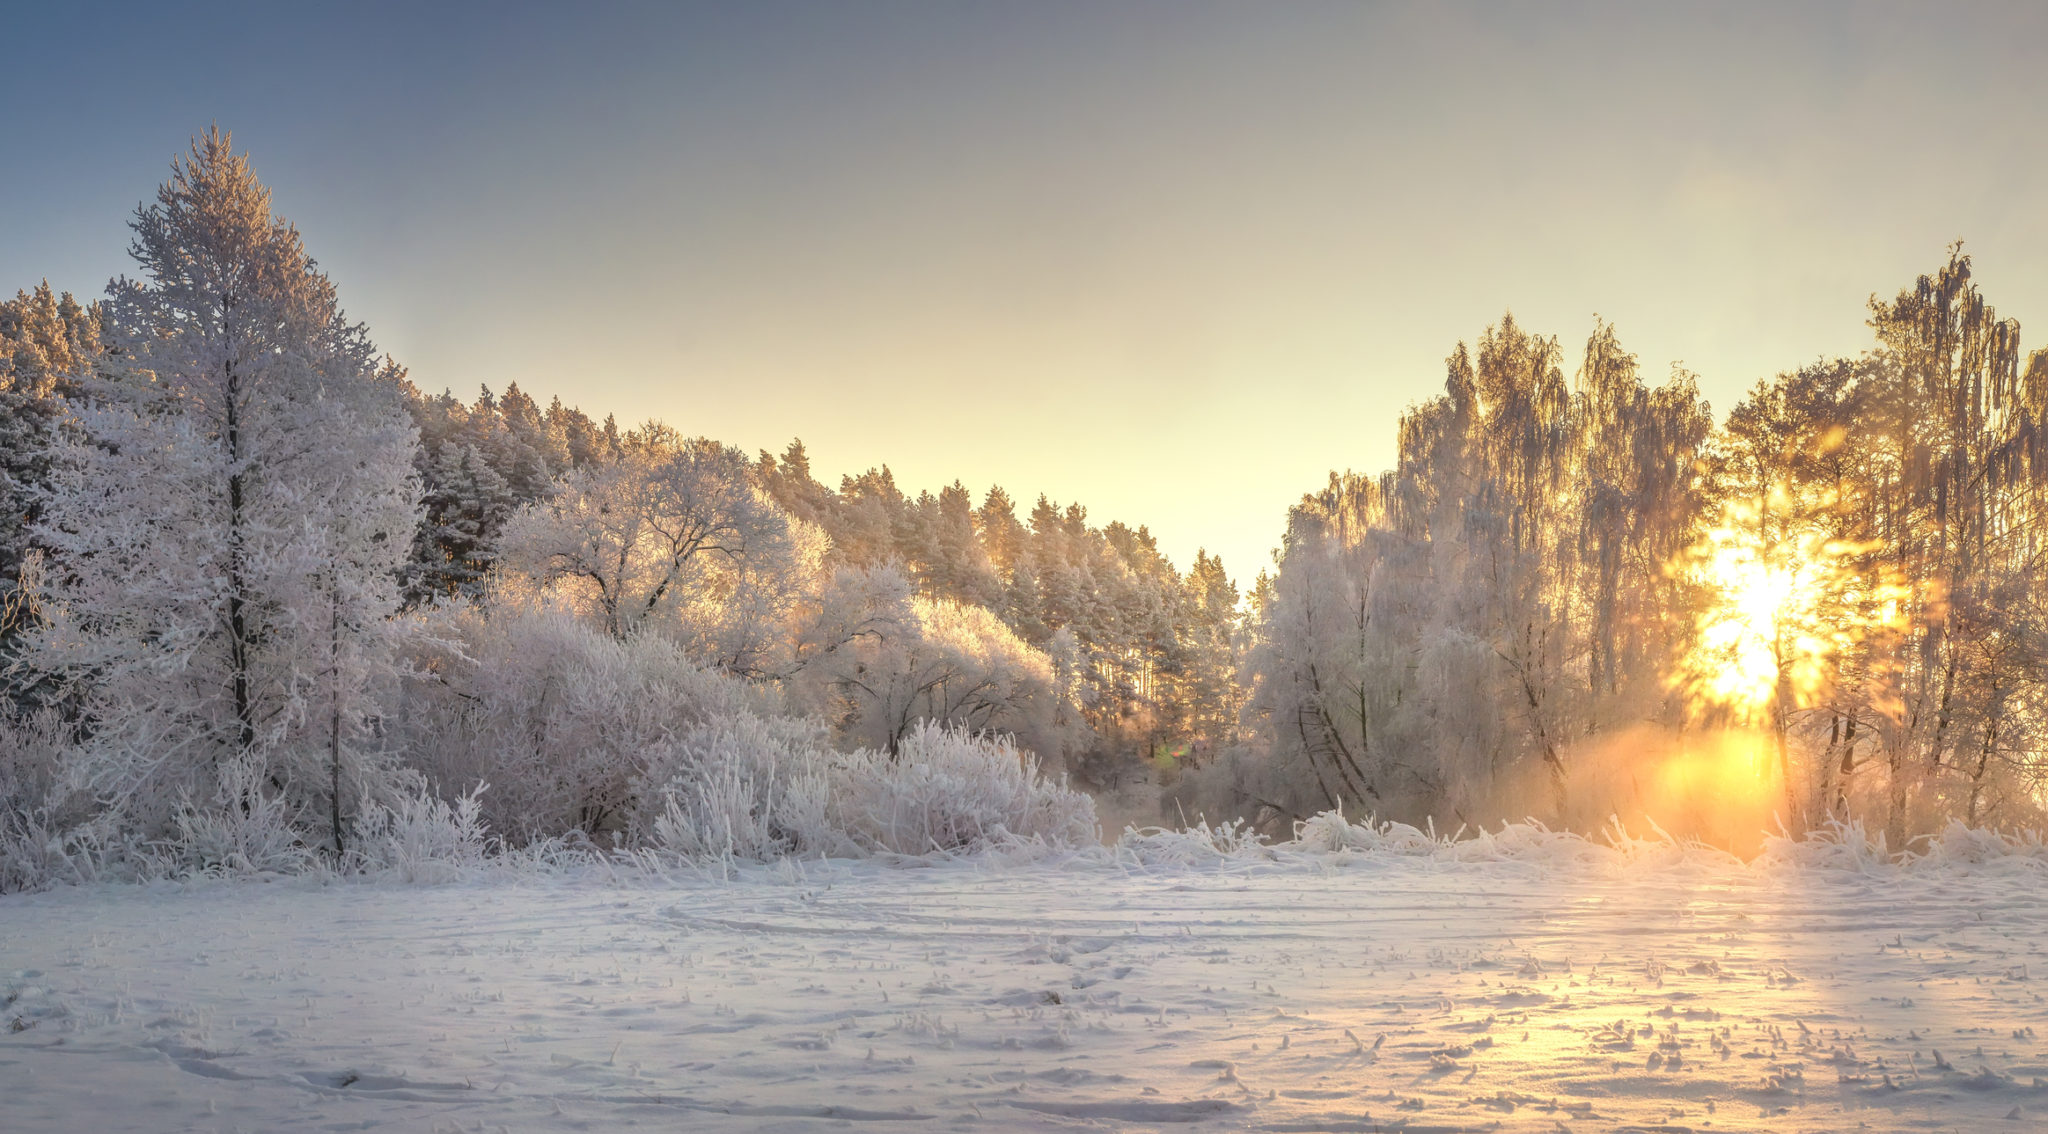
x: 1350, y: 992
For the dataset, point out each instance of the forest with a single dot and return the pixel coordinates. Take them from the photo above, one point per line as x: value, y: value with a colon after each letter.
x: 272, y: 606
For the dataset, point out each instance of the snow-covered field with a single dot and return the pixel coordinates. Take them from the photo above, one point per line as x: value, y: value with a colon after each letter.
x: 1290, y: 992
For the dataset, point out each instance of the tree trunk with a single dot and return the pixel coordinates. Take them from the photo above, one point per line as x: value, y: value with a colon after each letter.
x: 1895, y: 817
x: 334, y: 716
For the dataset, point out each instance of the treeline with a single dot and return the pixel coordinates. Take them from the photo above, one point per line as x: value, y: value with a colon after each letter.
x: 267, y: 603
x: 1147, y: 657
x: 1577, y: 597
x: 270, y: 603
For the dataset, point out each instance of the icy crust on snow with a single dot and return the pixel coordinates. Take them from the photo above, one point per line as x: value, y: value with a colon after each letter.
x: 1362, y: 977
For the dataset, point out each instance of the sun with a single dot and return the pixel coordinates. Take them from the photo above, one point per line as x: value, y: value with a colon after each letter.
x: 1785, y: 601
x: 1741, y: 630
x: 1768, y: 631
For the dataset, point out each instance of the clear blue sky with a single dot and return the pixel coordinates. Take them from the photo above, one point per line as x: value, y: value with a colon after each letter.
x: 1175, y: 261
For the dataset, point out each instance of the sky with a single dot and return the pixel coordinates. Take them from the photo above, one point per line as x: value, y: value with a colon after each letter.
x: 1172, y: 260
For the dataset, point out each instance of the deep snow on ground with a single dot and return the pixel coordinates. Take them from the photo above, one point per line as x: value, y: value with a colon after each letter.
x: 1349, y: 992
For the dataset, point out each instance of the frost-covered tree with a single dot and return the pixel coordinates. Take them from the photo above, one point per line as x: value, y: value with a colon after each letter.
x: 1562, y: 585
x: 226, y: 519
x: 1153, y: 663
x: 943, y: 662
x: 478, y: 464
x: 1442, y: 639
x: 1915, y: 675
x: 675, y: 536
x: 48, y: 343
x: 46, y: 339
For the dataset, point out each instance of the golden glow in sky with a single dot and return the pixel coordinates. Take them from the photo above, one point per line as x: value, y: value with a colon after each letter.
x: 1176, y: 262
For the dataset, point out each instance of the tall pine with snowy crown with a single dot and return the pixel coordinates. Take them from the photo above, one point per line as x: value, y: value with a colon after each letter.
x: 226, y: 524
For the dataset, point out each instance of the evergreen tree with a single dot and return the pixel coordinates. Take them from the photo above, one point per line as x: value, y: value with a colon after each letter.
x: 227, y: 519
x: 48, y: 344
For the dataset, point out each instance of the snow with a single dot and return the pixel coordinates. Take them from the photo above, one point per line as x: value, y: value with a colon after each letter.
x: 1148, y: 987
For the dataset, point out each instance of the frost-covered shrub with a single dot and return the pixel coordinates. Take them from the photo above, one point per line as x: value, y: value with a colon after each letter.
x: 45, y: 838
x: 246, y: 829
x: 422, y: 838
x: 1199, y: 844
x: 1329, y: 832
x: 946, y: 662
x: 1975, y: 846
x: 38, y: 850
x: 1332, y: 833
x: 1852, y: 846
x: 759, y: 788
x: 952, y: 790
x: 566, y: 722
x: 743, y: 787
x: 634, y: 742
x: 875, y: 661
x: 49, y: 834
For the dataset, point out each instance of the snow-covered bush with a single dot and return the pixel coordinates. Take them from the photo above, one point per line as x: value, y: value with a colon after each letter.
x: 47, y: 836
x: 567, y: 722
x: 756, y: 788
x: 876, y: 662
x: 422, y: 838
x: 743, y: 787
x: 635, y: 744
x: 38, y: 850
x: 245, y: 829
x: 1852, y: 846
x: 947, y: 789
x: 47, y: 833
x: 1195, y: 845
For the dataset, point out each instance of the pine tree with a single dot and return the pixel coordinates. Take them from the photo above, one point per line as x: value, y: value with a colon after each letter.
x: 226, y: 520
